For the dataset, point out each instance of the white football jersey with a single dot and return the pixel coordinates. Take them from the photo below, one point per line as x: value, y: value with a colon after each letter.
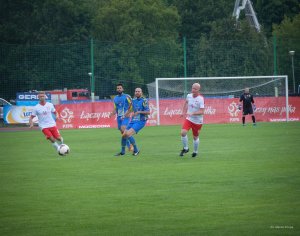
x: 44, y: 115
x: 194, y: 104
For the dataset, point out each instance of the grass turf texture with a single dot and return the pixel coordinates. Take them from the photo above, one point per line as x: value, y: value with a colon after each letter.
x: 244, y: 182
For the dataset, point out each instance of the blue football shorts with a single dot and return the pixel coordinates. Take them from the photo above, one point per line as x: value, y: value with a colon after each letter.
x: 136, y: 125
x: 121, y: 122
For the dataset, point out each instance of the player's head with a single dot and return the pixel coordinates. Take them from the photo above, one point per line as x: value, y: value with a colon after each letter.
x: 138, y: 92
x: 196, y: 89
x: 42, y: 96
x: 120, y: 88
x: 247, y: 90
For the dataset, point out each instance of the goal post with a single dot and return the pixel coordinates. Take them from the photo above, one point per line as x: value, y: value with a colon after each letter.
x: 270, y: 95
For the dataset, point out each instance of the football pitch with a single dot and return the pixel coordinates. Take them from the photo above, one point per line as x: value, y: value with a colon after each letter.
x: 245, y: 181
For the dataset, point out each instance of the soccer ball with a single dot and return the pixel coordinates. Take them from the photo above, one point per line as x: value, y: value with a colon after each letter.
x: 63, y: 150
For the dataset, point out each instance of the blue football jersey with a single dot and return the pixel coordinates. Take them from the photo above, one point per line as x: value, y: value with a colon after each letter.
x: 140, y: 104
x: 122, y: 103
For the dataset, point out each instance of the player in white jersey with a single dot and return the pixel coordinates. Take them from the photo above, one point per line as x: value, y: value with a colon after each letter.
x: 44, y: 111
x: 193, y: 110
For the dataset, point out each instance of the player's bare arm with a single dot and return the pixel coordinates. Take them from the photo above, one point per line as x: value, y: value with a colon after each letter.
x: 184, y: 109
x: 31, y: 121
x: 130, y: 110
x: 112, y: 113
x: 56, y: 115
x: 127, y: 113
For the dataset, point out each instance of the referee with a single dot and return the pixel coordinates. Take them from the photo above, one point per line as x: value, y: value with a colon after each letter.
x: 248, y: 105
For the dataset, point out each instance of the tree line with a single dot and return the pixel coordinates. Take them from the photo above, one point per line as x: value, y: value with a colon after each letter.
x: 47, y: 43
x: 63, y: 21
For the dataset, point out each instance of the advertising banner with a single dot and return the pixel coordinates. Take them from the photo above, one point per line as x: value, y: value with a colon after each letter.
x: 85, y: 115
x: 30, y: 98
x: 17, y: 114
x: 96, y: 115
x: 224, y: 110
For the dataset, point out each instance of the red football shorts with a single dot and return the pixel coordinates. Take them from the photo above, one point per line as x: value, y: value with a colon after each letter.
x: 51, y: 132
x: 187, y: 125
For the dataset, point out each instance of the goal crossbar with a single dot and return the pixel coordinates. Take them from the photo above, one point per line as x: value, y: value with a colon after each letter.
x: 285, y: 77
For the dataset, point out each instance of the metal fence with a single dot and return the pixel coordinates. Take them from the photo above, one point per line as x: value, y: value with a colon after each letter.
x: 99, y: 66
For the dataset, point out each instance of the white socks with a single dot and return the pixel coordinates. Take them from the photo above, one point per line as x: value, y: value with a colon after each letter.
x: 61, y: 140
x: 196, y: 145
x: 55, y: 145
x: 184, y: 140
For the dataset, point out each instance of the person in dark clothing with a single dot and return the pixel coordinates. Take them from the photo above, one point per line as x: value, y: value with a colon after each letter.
x: 247, y: 102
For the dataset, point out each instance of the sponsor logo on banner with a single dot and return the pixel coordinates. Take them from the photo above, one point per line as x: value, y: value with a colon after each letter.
x: 172, y: 112
x: 67, y: 116
x: 30, y: 99
x: 93, y: 115
x: 280, y: 120
x: 31, y: 96
x: 85, y: 115
x: 209, y: 110
x: 153, y: 111
x: 233, y: 111
x: 275, y: 110
x: 152, y: 118
x: 17, y: 114
x: 93, y: 126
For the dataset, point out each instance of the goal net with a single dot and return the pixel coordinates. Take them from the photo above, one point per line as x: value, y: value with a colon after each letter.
x: 221, y: 94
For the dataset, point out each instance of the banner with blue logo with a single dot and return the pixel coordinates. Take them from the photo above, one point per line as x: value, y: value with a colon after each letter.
x: 17, y: 114
x: 30, y: 99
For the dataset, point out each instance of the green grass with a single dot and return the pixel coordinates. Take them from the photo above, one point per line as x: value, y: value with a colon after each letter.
x: 245, y: 182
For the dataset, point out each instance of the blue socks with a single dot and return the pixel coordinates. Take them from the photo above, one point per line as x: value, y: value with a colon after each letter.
x: 129, y: 141
x: 123, y: 144
x: 132, y: 141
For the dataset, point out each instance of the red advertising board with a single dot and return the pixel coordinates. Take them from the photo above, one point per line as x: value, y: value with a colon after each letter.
x: 85, y: 115
x: 96, y: 115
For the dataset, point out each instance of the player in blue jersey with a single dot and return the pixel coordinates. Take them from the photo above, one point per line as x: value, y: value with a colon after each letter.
x: 122, y: 103
x: 140, y: 109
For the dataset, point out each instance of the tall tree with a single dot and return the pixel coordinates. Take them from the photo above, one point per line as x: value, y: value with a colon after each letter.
x: 273, y: 12
x: 134, y: 28
x: 135, y: 21
x: 230, y: 52
x: 288, y: 37
x: 49, y: 21
x: 197, y: 16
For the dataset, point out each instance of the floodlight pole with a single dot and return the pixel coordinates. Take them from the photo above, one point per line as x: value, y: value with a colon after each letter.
x: 92, y: 72
x: 292, y: 53
x: 90, y: 76
x: 185, y: 65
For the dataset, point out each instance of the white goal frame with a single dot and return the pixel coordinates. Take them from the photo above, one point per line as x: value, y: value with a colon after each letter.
x: 285, y: 77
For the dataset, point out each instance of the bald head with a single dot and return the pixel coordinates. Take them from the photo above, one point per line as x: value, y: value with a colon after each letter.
x: 196, y: 85
x: 196, y: 89
x: 247, y: 90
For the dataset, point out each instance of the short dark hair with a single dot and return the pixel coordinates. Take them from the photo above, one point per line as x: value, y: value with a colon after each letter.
x: 119, y: 84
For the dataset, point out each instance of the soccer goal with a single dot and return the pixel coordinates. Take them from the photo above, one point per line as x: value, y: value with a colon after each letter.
x: 221, y: 98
